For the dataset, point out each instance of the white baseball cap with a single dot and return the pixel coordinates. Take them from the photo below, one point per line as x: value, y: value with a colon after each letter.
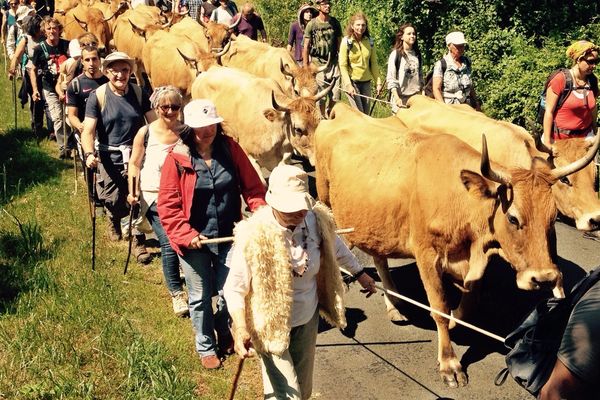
x: 200, y: 113
x: 455, y: 38
x: 74, y: 48
x: 287, y: 190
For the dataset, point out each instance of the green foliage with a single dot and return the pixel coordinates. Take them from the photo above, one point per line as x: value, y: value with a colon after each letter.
x: 514, y: 44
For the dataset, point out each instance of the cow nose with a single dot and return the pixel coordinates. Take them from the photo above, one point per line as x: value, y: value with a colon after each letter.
x: 102, y: 51
x: 544, y: 279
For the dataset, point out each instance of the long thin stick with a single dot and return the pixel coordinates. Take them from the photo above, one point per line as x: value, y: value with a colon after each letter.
x: 14, y: 88
x: 231, y: 238
x: 131, y: 213
x: 93, y: 210
x: 236, y: 378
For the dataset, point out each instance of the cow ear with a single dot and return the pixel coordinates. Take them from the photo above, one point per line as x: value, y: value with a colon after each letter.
x: 271, y: 114
x: 477, y: 185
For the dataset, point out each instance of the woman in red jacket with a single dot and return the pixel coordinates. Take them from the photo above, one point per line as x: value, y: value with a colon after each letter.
x: 199, y: 198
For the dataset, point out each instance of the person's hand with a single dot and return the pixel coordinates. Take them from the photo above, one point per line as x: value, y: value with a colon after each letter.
x: 378, y: 90
x: 11, y: 73
x: 91, y: 161
x: 132, y: 200
x: 367, y: 283
x: 196, y: 242
x: 350, y: 90
x: 62, y: 97
x: 35, y: 96
x: 242, y: 343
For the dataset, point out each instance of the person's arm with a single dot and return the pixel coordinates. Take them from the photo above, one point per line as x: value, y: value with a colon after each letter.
x: 346, y: 259
x: 88, y: 134
x: 375, y: 70
x: 390, y: 76
x: 19, y: 51
x: 138, y: 151
x: 291, y: 38
x: 35, y: 93
x: 551, y: 101
x: 345, y: 68
x: 562, y: 384
x: 436, y: 83
x: 307, y: 45
x: 251, y: 186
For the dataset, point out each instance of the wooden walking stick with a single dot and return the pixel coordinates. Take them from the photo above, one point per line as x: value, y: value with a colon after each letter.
x: 236, y: 378
x: 131, y: 216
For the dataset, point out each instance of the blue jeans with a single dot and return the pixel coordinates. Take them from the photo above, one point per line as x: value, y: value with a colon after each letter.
x: 170, y: 261
x: 205, y: 274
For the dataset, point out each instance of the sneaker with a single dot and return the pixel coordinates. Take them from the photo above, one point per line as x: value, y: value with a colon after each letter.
x: 114, y: 230
x: 211, y: 362
x: 139, y: 250
x: 180, y: 304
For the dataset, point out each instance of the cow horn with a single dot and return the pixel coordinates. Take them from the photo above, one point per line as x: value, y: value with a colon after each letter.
x: 235, y: 24
x: 223, y: 50
x: 284, y: 70
x: 201, y: 22
x: 486, y: 168
x: 186, y: 58
x: 60, y: 12
x: 324, y: 92
x: 277, y: 106
x: 578, y: 164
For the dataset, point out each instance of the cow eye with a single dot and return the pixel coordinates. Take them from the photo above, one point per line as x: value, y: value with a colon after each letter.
x: 513, y: 220
x: 298, y: 131
x: 565, y: 180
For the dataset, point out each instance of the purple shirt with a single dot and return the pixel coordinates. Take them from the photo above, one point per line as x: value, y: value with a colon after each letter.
x: 249, y: 27
x: 295, y: 39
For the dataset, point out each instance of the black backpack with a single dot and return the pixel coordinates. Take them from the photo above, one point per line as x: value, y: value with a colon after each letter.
x: 562, y: 97
x: 536, y: 341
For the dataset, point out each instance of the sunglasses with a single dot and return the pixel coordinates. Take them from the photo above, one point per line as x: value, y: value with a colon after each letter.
x: 593, y: 61
x: 166, y: 107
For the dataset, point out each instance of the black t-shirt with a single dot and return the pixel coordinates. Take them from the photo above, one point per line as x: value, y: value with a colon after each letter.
x: 121, y: 118
x: 79, y: 90
x: 47, y: 60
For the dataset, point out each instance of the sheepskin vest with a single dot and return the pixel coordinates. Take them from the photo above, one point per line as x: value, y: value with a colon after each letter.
x: 269, y: 302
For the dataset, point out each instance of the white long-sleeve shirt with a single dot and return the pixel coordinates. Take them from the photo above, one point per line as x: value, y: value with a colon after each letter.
x: 305, y: 298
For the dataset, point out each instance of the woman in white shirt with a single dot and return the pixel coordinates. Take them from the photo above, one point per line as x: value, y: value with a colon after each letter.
x: 404, y: 71
x: 284, y: 272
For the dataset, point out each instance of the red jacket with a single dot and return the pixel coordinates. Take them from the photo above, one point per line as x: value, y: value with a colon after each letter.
x: 175, y: 196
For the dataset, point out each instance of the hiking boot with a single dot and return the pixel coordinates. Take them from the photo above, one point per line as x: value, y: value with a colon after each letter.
x: 211, y: 362
x: 114, y: 230
x: 139, y: 250
x: 180, y: 304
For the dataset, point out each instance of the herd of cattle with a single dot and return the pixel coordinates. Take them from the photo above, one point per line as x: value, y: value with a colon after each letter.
x: 443, y: 184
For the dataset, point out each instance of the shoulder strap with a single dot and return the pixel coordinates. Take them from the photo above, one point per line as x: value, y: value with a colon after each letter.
x: 444, y: 66
x: 397, y: 64
x: 582, y: 287
x: 44, y: 48
x: 562, y: 97
x: 75, y: 84
x: 146, y: 135
x: 101, y: 95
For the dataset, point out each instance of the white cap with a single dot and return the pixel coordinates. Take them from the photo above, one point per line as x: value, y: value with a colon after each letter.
x: 74, y: 48
x: 455, y: 38
x: 287, y: 190
x: 200, y: 113
x: 22, y: 12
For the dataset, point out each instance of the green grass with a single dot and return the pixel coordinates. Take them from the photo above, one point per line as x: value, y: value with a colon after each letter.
x: 65, y: 331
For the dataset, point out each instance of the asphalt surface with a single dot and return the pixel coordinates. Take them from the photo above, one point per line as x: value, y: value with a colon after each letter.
x: 377, y: 359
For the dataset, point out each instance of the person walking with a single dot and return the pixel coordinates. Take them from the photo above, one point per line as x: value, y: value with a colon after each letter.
x: 358, y: 63
x: 116, y: 110
x: 251, y: 24
x: 404, y: 70
x: 452, y: 82
x: 306, y: 12
x: 150, y: 147
x: 284, y: 273
x: 201, y: 182
x: 322, y: 38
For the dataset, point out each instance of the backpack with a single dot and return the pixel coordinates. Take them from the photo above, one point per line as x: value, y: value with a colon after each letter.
x: 562, y: 97
x: 536, y: 341
x: 428, y: 88
x: 101, y: 93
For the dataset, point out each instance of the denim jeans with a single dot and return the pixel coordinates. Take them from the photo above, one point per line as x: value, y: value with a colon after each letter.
x: 205, y: 274
x: 170, y: 261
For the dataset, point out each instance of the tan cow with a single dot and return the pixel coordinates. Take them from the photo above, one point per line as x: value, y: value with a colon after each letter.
x: 186, y: 61
x: 82, y: 19
x: 277, y: 63
x: 512, y: 145
x: 260, y: 115
x: 132, y: 30
x: 208, y: 36
x: 409, y: 194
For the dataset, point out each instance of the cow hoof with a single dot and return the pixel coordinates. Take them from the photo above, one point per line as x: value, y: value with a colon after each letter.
x: 455, y: 380
x: 395, y: 316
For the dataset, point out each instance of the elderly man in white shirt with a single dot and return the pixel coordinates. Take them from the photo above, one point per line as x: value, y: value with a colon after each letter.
x: 284, y: 272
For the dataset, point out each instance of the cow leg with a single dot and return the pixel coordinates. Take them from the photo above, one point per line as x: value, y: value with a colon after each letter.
x: 431, y: 275
x: 381, y: 264
x: 468, y: 304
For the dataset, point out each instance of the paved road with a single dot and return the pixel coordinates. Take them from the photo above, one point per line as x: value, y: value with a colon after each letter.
x: 375, y: 359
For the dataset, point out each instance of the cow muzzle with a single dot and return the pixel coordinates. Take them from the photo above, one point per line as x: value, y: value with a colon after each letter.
x: 589, y: 221
x: 538, y: 279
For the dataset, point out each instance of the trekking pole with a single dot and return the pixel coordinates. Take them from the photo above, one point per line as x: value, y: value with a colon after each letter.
x: 131, y: 213
x: 93, y: 212
x: 377, y: 98
x: 14, y: 93
x: 236, y: 378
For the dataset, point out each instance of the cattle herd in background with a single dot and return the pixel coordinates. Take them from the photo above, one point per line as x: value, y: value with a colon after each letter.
x: 425, y: 183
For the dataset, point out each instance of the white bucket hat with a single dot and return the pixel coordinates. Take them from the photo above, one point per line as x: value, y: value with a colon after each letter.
x: 287, y: 190
x: 117, y: 56
x: 200, y: 113
x: 455, y: 38
x: 74, y: 48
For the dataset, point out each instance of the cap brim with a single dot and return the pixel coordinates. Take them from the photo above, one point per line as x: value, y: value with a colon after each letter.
x: 201, y: 123
x: 290, y: 202
x: 128, y: 61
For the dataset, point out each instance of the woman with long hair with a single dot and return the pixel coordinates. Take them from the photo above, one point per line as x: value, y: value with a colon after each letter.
x: 358, y: 63
x: 404, y: 70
